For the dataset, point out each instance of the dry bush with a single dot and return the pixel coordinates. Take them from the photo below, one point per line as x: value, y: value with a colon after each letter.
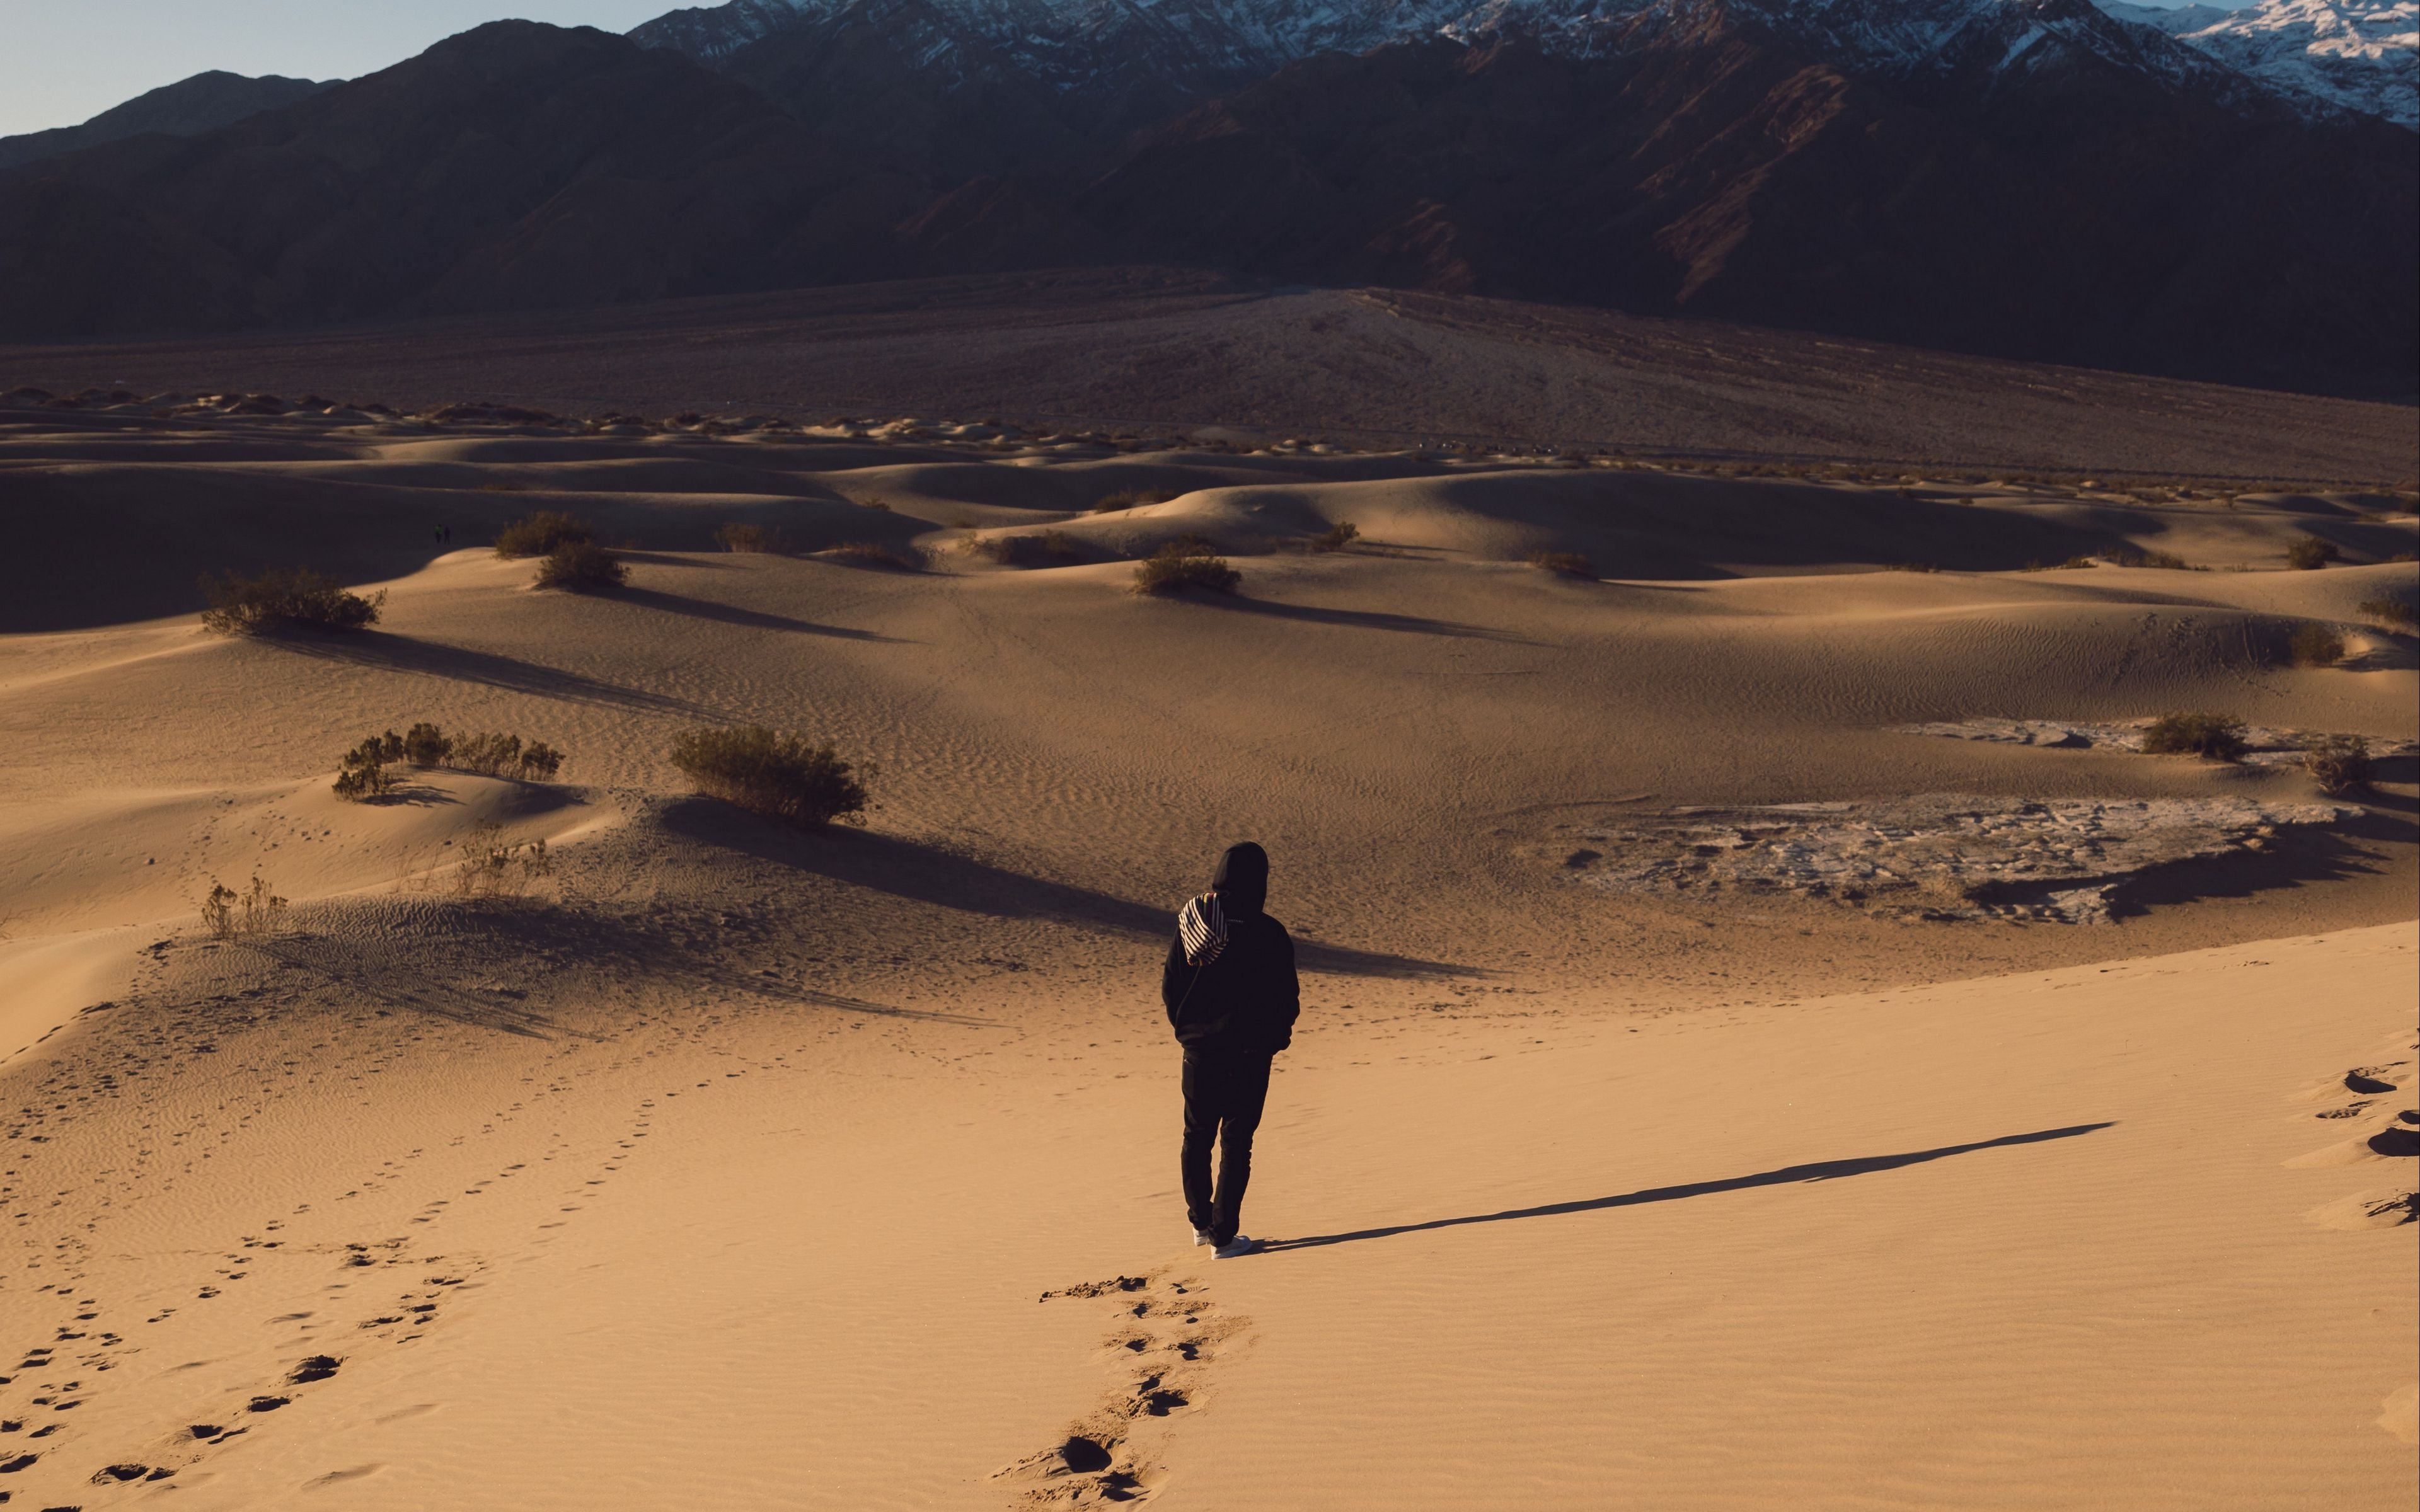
x: 493, y: 867
x: 1564, y: 564
x: 364, y: 774
x: 1337, y: 536
x: 873, y: 554
x: 2311, y: 552
x: 2340, y: 764
x: 759, y: 539
x: 424, y: 745
x: 1110, y: 503
x: 1181, y: 564
x: 2317, y: 645
x: 2392, y: 613
x: 231, y: 914
x: 539, y: 534
x: 2217, y: 736
x: 1909, y: 567
x: 295, y: 595
x: 2131, y: 555
x: 774, y: 773
x: 582, y: 567
x: 1051, y: 548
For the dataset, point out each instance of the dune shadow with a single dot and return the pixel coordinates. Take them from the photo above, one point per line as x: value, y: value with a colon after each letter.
x: 382, y: 652
x: 398, y: 986
x: 730, y: 614
x: 2297, y: 855
x: 1815, y: 1171
x: 928, y: 874
x: 1359, y: 619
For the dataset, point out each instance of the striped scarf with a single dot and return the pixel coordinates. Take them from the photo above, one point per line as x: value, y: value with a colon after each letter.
x: 1202, y: 926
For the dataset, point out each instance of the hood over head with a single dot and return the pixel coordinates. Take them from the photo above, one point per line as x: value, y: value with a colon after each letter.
x: 1243, y: 880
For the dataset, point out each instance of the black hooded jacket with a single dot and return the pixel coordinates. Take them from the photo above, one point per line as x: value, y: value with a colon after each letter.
x: 1246, y: 1001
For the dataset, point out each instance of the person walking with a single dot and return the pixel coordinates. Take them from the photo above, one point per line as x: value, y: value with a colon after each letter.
x: 1231, y: 996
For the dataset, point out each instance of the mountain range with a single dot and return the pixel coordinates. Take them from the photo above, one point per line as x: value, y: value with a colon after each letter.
x: 2039, y: 178
x: 186, y: 108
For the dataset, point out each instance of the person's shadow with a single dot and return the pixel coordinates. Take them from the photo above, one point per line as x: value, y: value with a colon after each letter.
x: 1818, y: 1171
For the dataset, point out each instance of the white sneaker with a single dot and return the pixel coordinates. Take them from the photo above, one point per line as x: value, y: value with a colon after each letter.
x: 1200, y: 1237
x: 1240, y: 1244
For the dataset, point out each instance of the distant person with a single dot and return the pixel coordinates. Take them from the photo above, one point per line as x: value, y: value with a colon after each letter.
x: 1231, y: 997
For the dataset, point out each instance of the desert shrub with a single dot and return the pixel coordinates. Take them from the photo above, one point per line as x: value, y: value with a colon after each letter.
x: 2317, y: 645
x: 2392, y: 613
x: 774, y: 773
x: 1337, y: 536
x: 424, y: 745
x: 1110, y: 503
x: 493, y: 867
x: 761, y: 539
x: 228, y: 914
x: 2340, y: 764
x: 1051, y: 548
x: 1564, y: 564
x: 873, y: 554
x: 295, y: 595
x: 1183, y: 564
x: 2132, y: 556
x: 362, y: 772
x: 2218, y: 737
x: 501, y: 755
x: 1909, y: 567
x: 2310, y: 552
x: 582, y: 567
x: 539, y: 534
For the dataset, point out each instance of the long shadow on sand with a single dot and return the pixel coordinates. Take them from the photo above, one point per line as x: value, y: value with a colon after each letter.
x: 728, y: 614
x: 1362, y: 619
x: 925, y: 873
x: 382, y: 652
x: 1818, y: 1171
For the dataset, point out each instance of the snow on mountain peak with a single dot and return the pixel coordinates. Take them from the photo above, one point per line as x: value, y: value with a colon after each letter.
x: 2355, y: 54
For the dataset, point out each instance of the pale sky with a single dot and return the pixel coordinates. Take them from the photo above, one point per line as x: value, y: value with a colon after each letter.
x: 65, y: 61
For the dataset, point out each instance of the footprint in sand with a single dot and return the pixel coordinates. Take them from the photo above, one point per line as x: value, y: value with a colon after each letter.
x: 1168, y: 1332
x: 2402, y: 1415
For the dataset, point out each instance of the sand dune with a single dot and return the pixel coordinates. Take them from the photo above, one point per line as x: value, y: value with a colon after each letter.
x: 726, y: 1164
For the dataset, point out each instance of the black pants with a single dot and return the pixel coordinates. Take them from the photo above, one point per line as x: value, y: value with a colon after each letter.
x: 1223, y: 1096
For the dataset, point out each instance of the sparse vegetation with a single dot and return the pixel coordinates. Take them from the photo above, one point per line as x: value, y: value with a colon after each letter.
x: 294, y: 596
x: 582, y: 567
x: 757, y: 539
x: 2340, y: 764
x: 231, y: 914
x: 1337, y: 536
x: 873, y: 554
x: 774, y: 773
x: 364, y: 776
x: 494, y: 867
x: 539, y: 534
x: 1909, y: 567
x: 1110, y: 503
x: 2317, y: 645
x: 2076, y: 563
x: 2218, y: 737
x: 2129, y: 556
x: 2310, y: 552
x: 2392, y: 613
x: 1564, y: 564
x: 1184, y: 564
x: 1051, y: 548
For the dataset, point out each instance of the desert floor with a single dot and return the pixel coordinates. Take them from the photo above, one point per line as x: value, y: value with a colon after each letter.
x: 1714, y: 1090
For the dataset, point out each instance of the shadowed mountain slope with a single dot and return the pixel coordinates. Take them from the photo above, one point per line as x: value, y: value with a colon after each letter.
x: 186, y: 108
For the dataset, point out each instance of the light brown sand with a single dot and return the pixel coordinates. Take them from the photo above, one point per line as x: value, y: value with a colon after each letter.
x: 725, y: 1167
